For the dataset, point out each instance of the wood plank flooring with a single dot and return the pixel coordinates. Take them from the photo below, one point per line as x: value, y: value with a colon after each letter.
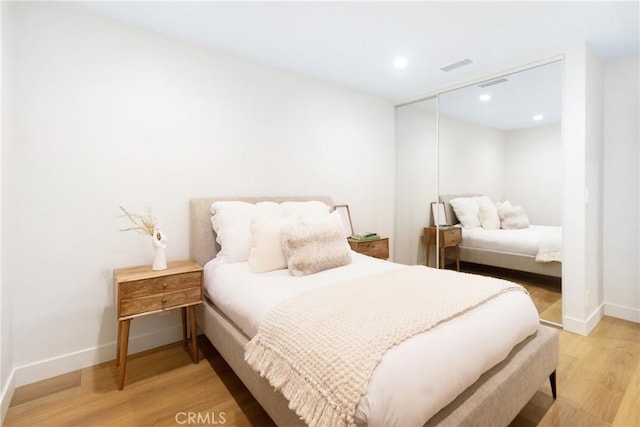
x: 545, y: 291
x: 598, y: 385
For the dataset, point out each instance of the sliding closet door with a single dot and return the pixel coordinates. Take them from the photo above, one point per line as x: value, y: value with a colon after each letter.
x: 502, y: 138
x: 416, y: 178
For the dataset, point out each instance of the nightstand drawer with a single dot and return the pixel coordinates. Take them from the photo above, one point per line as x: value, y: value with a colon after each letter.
x: 378, y: 249
x: 451, y: 237
x: 153, y: 286
x: 375, y: 248
x: 164, y: 301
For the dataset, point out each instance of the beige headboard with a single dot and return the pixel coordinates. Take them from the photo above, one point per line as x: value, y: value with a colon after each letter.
x: 202, y: 239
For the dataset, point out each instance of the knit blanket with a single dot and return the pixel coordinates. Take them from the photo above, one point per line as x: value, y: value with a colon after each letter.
x: 550, y: 245
x: 320, y: 347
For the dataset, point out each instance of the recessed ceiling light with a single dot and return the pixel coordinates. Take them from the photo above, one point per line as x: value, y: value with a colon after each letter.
x: 484, y: 98
x: 538, y: 117
x: 400, y: 62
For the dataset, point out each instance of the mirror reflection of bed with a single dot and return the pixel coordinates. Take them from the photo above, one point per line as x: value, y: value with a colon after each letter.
x: 515, y: 249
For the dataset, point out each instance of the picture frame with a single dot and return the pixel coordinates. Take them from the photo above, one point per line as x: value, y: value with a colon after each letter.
x: 439, y: 214
x: 345, y: 216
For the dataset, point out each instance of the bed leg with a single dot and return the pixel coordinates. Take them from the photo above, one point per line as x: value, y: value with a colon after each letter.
x: 552, y: 381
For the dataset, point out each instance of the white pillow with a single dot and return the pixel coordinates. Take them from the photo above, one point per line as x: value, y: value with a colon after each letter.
x: 312, y: 209
x: 481, y: 200
x: 231, y: 222
x: 266, y: 249
x: 488, y: 216
x: 512, y: 217
x: 311, y: 248
x: 466, y: 209
x: 332, y: 217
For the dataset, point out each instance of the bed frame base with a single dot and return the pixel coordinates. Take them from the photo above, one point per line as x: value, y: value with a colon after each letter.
x: 510, y: 261
x: 495, y: 399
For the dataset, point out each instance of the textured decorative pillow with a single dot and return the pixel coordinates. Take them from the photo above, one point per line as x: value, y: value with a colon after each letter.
x: 488, y: 215
x: 466, y: 209
x: 512, y: 217
x: 311, y: 248
x: 266, y: 250
x: 231, y: 222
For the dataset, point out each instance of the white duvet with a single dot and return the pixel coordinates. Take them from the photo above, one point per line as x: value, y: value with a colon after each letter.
x: 536, y: 241
x: 415, y: 379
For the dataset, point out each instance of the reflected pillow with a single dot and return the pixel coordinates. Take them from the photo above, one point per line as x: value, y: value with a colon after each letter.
x: 466, y: 209
x: 512, y: 217
x: 488, y: 215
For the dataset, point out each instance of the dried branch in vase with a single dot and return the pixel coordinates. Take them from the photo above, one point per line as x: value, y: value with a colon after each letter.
x: 145, y: 224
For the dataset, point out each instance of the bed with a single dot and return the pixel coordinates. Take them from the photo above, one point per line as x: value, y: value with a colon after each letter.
x: 511, y: 249
x: 484, y: 402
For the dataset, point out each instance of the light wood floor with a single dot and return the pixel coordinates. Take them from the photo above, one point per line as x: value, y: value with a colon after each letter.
x: 598, y: 385
x: 545, y: 291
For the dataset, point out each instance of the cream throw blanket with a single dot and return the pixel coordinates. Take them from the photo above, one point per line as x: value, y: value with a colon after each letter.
x: 320, y: 348
x: 550, y: 245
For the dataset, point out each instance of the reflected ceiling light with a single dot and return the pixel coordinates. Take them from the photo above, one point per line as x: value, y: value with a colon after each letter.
x: 484, y: 98
x: 538, y: 117
x: 400, y: 62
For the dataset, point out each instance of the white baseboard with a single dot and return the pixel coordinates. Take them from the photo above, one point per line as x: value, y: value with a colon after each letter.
x: 621, y: 312
x: 48, y: 368
x: 583, y: 327
x: 7, y: 395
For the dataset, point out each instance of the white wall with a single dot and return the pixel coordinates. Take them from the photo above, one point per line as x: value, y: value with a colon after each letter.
x: 621, y: 216
x: 109, y: 115
x: 582, y: 202
x: 5, y: 361
x: 6, y: 357
x: 416, y: 178
x: 594, y: 165
x: 532, y: 174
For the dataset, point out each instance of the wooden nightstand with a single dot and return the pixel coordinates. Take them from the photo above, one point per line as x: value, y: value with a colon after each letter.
x: 140, y: 291
x: 449, y: 237
x: 378, y: 248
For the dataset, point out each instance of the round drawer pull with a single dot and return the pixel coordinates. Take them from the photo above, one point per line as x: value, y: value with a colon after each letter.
x: 164, y: 285
x: 164, y: 300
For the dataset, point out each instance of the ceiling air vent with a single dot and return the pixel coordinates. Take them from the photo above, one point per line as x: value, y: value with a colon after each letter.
x: 493, y: 82
x: 456, y: 65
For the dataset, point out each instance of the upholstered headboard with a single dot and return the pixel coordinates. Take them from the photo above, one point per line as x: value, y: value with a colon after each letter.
x: 202, y: 239
x: 446, y: 198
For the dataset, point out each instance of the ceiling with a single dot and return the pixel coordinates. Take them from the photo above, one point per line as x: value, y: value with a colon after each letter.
x: 513, y: 103
x: 355, y: 43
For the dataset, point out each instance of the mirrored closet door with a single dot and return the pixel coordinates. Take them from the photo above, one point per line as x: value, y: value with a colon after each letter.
x: 499, y: 139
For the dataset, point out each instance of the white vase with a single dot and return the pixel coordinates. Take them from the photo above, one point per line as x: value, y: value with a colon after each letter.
x: 159, y: 259
x: 160, y: 244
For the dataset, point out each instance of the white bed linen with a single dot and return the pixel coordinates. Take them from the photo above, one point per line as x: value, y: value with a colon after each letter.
x: 523, y: 241
x: 415, y: 379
